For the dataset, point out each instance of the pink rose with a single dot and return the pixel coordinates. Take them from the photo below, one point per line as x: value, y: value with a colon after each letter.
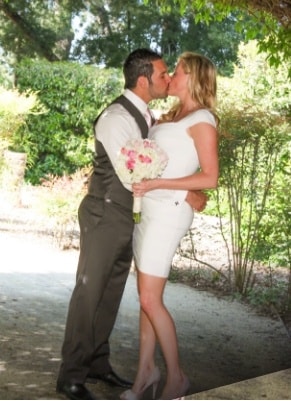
x: 130, y: 164
x: 145, y: 159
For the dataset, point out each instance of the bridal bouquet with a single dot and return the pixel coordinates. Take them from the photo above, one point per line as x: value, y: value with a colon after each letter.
x: 140, y: 159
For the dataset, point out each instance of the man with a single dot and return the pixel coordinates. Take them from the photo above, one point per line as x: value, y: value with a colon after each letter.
x: 106, y: 227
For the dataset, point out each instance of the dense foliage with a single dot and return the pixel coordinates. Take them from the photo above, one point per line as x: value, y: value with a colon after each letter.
x: 255, y: 154
x: 270, y: 22
x: 14, y: 111
x: 60, y: 141
x: 119, y: 30
x: 102, y: 32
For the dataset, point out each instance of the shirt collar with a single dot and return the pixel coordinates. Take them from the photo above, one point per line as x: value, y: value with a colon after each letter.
x: 136, y: 100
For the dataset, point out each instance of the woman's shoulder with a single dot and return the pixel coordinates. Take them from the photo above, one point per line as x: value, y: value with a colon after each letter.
x: 201, y: 116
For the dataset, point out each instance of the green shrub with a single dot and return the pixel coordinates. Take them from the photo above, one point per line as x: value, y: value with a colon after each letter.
x: 252, y: 158
x: 15, y: 108
x: 61, y: 140
x: 255, y: 156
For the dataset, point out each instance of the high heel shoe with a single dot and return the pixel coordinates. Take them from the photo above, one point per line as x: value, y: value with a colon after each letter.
x: 184, y: 390
x: 179, y: 395
x: 153, y: 380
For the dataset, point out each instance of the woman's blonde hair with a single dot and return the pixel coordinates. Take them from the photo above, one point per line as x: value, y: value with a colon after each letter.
x: 201, y: 84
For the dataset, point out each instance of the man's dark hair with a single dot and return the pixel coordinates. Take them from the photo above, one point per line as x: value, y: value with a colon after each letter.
x: 139, y: 63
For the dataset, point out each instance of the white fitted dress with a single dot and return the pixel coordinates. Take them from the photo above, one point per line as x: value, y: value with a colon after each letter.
x: 166, y: 216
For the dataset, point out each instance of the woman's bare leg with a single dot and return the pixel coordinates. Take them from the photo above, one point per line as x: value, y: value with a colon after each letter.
x: 147, y: 346
x: 151, y: 291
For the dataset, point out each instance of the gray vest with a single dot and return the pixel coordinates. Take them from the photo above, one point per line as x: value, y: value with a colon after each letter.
x: 104, y: 182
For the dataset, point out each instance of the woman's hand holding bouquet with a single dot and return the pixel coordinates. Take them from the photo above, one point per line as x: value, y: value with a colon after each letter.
x: 140, y: 159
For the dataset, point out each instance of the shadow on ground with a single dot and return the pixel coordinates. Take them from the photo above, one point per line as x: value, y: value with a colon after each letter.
x: 221, y: 341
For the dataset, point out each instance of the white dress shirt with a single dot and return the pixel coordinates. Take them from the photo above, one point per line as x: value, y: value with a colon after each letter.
x: 116, y: 126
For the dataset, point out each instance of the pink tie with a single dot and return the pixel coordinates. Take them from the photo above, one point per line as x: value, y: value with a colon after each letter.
x: 148, y: 117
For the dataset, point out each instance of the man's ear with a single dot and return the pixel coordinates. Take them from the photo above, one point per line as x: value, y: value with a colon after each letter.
x: 143, y: 82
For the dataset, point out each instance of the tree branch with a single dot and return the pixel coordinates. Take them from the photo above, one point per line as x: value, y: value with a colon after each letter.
x: 29, y: 33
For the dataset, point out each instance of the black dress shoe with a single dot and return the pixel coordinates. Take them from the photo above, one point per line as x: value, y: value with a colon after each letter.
x: 111, y: 378
x: 75, y: 391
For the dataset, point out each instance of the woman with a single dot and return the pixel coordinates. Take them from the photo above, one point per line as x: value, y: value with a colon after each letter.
x: 188, y: 135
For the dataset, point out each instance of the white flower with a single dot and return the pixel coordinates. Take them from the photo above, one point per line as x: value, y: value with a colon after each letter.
x: 140, y: 159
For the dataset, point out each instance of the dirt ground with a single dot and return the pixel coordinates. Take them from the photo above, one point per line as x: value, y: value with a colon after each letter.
x: 222, y: 341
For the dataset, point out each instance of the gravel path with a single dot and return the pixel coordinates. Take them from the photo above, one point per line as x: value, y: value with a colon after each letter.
x: 221, y: 341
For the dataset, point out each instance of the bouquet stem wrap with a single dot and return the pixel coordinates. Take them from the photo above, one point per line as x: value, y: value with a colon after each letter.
x: 140, y: 159
x: 137, y: 209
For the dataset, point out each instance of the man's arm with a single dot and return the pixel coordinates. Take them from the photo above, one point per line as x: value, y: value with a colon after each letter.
x: 197, y: 200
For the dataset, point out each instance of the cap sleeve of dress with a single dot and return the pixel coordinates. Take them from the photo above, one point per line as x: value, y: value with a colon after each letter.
x: 201, y: 116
